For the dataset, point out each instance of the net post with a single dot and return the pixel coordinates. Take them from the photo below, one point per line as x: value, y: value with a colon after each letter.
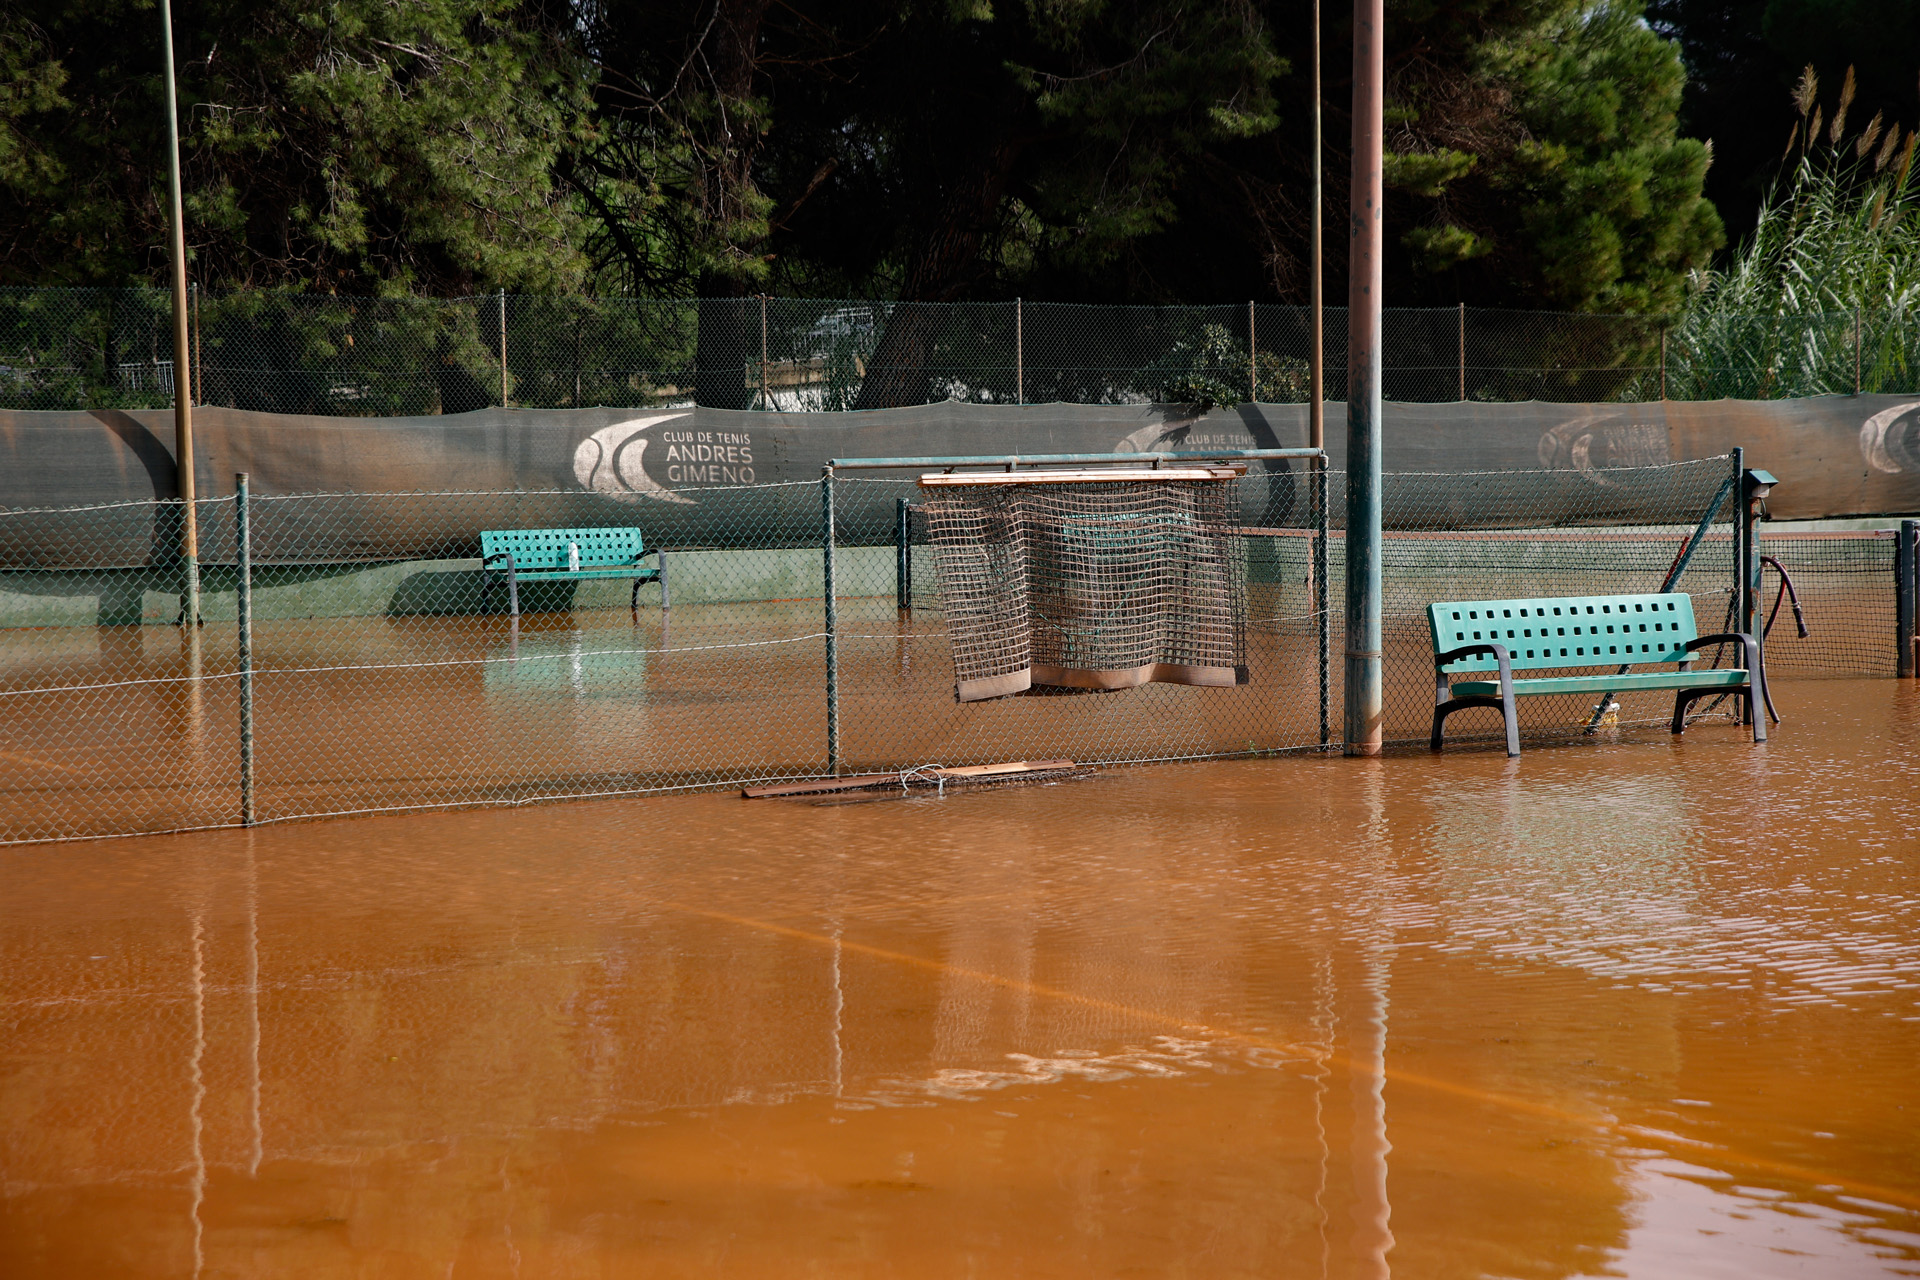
x: 832, y: 619
x: 902, y: 557
x: 243, y: 605
x: 1906, y: 598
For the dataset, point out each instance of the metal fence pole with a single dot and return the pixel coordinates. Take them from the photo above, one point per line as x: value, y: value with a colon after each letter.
x: 832, y: 619
x: 1253, y: 358
x: 1463, y: 351
x: 243, y: 597
x: 182, y: 359
x: 503, y: 348
x: 1019, y: 352
x: 1322, y: 618
x: 902, y: 556
x: 1906, y: 599
x: 1663, y: 360
x: 1363, y: 689
x: 196, y: 382
x: 765, y: 400
x: 1856, y: 351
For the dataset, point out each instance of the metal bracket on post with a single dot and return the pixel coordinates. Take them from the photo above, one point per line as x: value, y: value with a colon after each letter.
x: 243, y: 603
x: 1906, y: 597
x: 832, y: 620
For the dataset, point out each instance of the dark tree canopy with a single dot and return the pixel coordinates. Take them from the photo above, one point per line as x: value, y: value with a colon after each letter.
x: 1136, y: 150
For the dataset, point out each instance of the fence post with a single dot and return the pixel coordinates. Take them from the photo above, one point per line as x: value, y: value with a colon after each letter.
x: 765, y: 401
x: 503, y: 348
x: 1663, y: 360
x: 1253, y: 358
x: 1463, y: 352
x: 1906, y: 599
x: 243, y: 597
x: 1856, y: 351
x: 832, y: 620
x: 902, y: 556
x: 196, y: 384
x: 1019, y: 352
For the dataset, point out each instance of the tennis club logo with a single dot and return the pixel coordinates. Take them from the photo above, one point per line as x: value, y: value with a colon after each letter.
x: 1592, y: 445
x: 613, y: 461
x: 1890, y: 439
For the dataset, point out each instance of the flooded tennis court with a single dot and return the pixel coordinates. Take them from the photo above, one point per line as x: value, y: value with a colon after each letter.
x: 1640, y: 1007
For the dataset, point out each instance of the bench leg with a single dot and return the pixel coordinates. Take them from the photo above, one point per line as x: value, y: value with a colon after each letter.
x: 1503, y: 704
x: 513, y: 590
x: 666, y: 596
x: 1687, y: 697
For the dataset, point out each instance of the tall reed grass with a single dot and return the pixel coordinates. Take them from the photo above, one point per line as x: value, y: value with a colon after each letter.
x: 1824, y: 298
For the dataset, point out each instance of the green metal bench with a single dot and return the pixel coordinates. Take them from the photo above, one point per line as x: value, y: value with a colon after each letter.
x: 1472, y: 636
x: 569, y: 555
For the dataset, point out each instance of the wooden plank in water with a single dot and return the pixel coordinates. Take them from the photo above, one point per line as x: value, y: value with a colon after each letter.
x: 820, y: 785
x: 991, y: 770
x: 855, y: 782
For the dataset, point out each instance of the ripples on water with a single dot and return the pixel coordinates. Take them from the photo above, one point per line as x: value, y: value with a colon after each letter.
x: 1623, y: 1008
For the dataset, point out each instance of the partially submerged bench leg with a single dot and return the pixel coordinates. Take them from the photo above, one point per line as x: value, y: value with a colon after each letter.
x: 658, y: 575
x: 1445, y: 704
x: 1687, y: 697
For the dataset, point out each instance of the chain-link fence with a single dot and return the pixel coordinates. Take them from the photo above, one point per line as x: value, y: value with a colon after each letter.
x: 385, y: 670
x: 298, y: 353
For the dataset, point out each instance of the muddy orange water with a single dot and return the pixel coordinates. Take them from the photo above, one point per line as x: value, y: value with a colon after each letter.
x: 1628, y: 1008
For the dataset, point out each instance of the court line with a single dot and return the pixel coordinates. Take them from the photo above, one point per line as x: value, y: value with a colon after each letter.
x: 1608, y: 1124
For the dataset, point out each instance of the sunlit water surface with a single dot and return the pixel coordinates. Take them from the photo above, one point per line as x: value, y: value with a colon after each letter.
x: 1636, y: 1007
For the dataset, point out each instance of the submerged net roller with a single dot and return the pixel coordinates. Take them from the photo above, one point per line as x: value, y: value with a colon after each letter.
x: 1090, y: 580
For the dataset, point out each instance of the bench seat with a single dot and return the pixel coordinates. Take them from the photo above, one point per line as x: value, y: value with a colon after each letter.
x: 1606, y: 684
x: 1634, y: 633
x: 569, y: 555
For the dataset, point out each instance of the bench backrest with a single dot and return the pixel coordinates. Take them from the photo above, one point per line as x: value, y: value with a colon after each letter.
x: 1567, y: 631
x: 547, y: 548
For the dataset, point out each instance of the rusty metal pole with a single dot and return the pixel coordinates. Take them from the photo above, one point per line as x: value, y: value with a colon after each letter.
x: 1364, y: 694
x: 182, y: 358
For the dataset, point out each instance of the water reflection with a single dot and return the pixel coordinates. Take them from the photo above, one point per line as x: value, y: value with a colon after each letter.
x: 1581, y: 1015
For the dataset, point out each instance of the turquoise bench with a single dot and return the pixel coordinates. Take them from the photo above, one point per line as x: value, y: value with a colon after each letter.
x: 1505, y: 636
x: 568, y: 555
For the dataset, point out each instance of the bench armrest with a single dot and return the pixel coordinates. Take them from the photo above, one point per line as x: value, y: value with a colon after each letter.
x: 1499, y: 651
x: 1740, y: 638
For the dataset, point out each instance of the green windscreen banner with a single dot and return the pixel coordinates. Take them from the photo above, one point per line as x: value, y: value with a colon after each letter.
x: 1833, y: 455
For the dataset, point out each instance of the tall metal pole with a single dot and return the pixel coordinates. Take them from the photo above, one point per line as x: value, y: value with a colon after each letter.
x: 1019, y: 352
x: 1316, y: 304
x: 1364, y: 691
x: 1317, y: 397
x: 503, y: 348
x: 832, y: 620
x: 243, y: 602
x: 182, y: 357
x: 1253, y: 358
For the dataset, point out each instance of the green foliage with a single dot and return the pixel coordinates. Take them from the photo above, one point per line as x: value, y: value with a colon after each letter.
x: 356, y: 145
x: 1212, y: 368
x: 1830, y: 276
x: 1426, y: 174
x: 1607, y: 193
